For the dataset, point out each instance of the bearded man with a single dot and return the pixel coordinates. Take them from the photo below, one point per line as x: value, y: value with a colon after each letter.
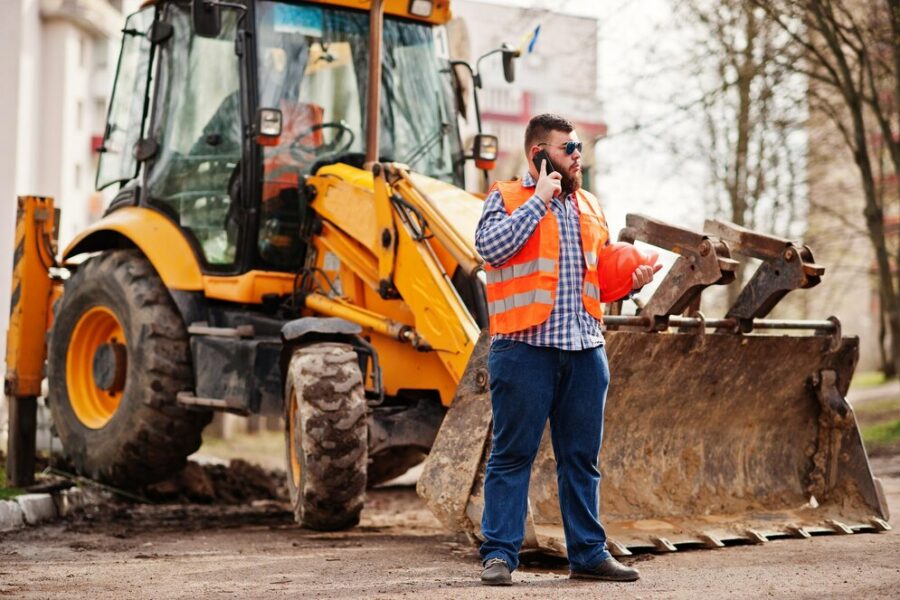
x: 540, y: 238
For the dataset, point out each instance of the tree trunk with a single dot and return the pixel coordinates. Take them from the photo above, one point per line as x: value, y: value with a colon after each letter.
x: 739, y: 186
x: 851, y: 89
x: 887, y: 364
x: 875, y: 224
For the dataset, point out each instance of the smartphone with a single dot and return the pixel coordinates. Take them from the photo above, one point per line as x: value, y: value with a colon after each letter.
x: 541, y: 156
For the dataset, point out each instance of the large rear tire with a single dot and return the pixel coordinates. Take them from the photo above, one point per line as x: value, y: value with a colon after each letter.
x: 118, y: 355
x: 326, y: 436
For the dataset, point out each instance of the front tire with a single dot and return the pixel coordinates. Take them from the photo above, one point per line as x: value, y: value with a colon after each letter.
x: 326, y: 436
x: 118, y: 355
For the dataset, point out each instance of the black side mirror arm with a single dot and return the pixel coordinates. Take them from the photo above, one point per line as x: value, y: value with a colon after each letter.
x: 476, y: 80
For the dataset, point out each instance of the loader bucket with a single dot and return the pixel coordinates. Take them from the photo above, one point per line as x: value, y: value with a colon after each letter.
x: 711, y: 437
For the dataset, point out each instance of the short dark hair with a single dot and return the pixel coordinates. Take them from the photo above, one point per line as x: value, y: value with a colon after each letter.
x: 540, y: 126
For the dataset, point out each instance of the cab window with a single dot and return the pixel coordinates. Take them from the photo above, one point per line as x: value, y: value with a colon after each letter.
x: 198, y: 127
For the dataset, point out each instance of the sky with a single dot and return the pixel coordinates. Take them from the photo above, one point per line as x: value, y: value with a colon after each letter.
x: 636, y: 174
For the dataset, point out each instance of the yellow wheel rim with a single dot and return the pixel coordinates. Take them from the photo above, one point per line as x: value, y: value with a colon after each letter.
x: 93, y: 405
x: 293, y: 442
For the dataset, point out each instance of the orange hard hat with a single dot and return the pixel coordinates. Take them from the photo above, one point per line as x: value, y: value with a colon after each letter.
x: 616, y: 264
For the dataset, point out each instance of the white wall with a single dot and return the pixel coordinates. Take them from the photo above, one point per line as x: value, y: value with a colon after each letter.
x: 559, y: 76
x: 19, y: 70
x: 11, y: 31
x: 19, y: 62
x: 564, y: 61
x: 49, y: 68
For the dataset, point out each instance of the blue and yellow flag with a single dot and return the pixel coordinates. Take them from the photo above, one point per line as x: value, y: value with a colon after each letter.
x: 526, y: 46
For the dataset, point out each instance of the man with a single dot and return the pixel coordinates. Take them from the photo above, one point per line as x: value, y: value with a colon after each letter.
x: 540, y: 238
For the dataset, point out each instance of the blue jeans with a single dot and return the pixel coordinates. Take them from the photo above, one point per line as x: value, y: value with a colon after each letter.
x: 528, y: 385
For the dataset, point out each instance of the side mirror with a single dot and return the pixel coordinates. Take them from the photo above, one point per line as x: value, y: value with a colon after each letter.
x: 206, y: 18
x: 268, y: 126
x: 484, y: 150
x: 509, y: 67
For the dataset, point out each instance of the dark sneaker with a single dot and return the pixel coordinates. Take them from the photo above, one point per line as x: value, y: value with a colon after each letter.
x: 496, y: 572
x: 609, y: 570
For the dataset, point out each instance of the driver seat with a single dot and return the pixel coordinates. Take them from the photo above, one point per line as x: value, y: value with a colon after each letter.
x: 282, y: 167
x: 298, y: 117
x: 284, y: 206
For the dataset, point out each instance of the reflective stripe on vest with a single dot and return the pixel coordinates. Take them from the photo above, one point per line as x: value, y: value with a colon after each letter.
x: 591, y: 290
x: 520, y: 300
x: 520, y: 270
x: 590, y: 259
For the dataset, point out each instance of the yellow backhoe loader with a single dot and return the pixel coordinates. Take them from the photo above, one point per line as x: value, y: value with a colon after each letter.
x: 290, y: 236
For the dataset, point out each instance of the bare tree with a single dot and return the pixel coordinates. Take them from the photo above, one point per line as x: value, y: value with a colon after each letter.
x: 850, y: 51
x: 751, y: 114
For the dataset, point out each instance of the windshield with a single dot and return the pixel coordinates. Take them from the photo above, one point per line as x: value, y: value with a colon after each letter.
x: 313, y: 66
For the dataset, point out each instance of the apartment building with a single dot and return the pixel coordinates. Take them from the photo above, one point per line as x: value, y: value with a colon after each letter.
x: 547, y: 80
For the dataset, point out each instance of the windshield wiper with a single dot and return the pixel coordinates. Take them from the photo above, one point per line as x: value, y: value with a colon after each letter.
x: 443, y: 130
x: 423, y: 148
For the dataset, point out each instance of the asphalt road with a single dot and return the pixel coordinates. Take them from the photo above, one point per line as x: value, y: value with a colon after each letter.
x: 401, y: 551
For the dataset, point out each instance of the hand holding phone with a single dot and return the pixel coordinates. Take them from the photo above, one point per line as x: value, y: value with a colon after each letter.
x: 549, y: 182
x: 538, y: 159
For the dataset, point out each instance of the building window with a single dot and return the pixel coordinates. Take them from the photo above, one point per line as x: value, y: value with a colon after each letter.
x: 101, y: 53
x: 79, y: 115
x: 77, y: 176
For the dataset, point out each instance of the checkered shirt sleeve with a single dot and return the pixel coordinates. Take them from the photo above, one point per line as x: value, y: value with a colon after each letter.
x: 500, y: 234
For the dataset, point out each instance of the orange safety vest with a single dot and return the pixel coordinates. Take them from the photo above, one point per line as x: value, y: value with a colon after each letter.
x: 522, y: 291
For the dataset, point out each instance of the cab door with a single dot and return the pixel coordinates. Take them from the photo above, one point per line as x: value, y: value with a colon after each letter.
x: 193, y: 176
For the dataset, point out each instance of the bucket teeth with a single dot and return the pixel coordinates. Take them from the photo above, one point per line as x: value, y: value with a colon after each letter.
x: 617, y: 549
x: 711, y: 541
x: 755, y: 537
x: 839, y: 527
x: 663, y: 545
x: 879, y: 524
x: 798, y: 531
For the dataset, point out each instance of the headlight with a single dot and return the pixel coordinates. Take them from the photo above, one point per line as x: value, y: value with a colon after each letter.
x: 421, y: 8
x: 484, y: 150
x: 268, y: 126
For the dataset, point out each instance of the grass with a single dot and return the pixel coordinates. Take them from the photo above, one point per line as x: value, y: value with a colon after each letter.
x: 7, y: 493
x: 879, y: 421
x: 883, y: 438
x: 868, y: 379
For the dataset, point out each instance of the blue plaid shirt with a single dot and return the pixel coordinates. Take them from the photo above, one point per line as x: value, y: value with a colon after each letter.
x: 501, y: 235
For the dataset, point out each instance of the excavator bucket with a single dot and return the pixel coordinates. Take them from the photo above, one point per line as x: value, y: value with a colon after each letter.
x: 717, y: 430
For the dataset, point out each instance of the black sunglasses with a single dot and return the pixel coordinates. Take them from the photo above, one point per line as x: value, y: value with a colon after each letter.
x: 570, y: 147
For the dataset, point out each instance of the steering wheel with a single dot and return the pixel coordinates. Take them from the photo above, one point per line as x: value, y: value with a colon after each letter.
x: 343, y: 139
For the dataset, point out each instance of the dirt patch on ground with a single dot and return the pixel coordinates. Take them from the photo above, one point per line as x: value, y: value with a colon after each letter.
x: 220, y: 550
x: 239, y: 482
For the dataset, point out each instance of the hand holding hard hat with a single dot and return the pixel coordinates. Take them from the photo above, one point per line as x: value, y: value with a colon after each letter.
x: 623, y: 268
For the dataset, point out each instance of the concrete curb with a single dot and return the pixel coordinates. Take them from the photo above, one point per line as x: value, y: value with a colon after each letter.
x: 35, y: 509
x: 11, y: 516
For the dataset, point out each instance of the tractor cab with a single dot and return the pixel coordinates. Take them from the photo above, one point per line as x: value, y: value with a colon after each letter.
x: 220, y: 111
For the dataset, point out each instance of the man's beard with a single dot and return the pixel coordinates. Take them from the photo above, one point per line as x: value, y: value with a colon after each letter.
x: 570, y: 183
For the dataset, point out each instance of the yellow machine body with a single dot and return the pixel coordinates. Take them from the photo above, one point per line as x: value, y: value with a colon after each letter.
x: 33, y: 295
x: 742, y: 435
x: 354, y: 214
